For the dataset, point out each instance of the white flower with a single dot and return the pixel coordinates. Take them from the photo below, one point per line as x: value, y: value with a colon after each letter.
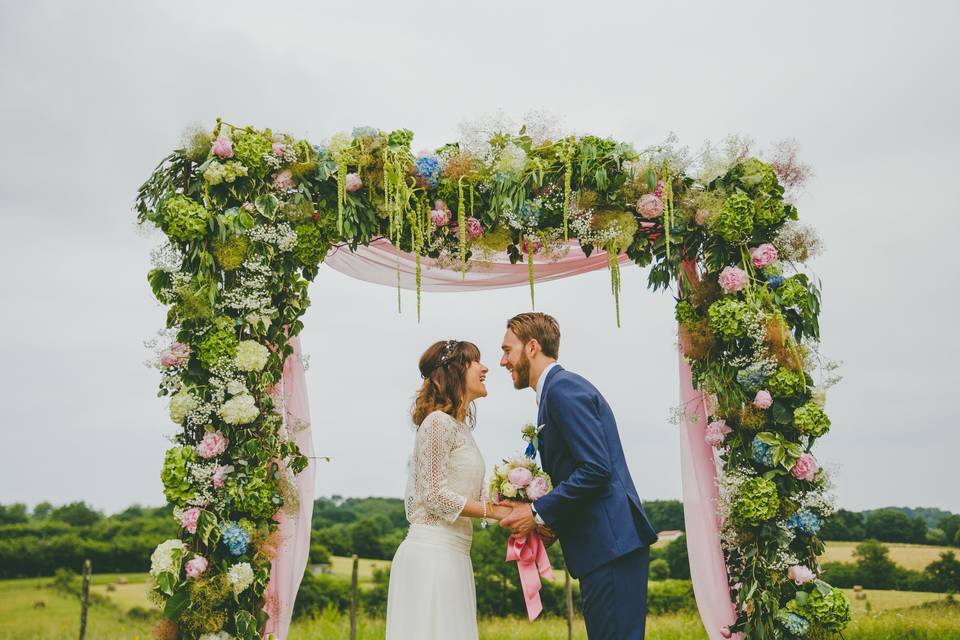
x: 512, y: 159
x: 235, y: 387
x: 181, y: 404
x: 219, y: 635
x: 251, y: 356
x: 240, y: 576
x: 241, y: 409
x: 508, y: 489
x: 163, y: 557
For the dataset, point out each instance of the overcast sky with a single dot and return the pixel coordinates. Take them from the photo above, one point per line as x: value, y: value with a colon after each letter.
x: 94, y: 94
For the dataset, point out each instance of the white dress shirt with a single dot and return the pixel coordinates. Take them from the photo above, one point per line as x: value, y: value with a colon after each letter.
x: 543, y: 379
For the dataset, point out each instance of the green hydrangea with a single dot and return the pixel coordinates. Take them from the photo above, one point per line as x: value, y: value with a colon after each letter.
x: 786, y: 382
x: 771, y: 212
x: 176, y: 482
x: 811, y: 420
x: 217, y: 173
x: 756, y: 502
x: 256, y: 494
x: 185, y: 219
x: 830, y: 611
x: 313, y: 241
x: 792, y: 292
x: 734, y: 221
x: 729, y: 317
x: 758, y: 177
x: 231, y: 253
x: 685, y: 312
x: 621, y: 223
x: 219, y: 342
x: 249, y: 147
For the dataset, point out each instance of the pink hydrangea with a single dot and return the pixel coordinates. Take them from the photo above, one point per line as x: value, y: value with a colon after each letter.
x: 223, y: 147
x: 764, y: 255
x: 353, y: 182
x: 220, y: 476
x: 196, y: 566
x: 213, y: 444
x: 716, y: 433
x: 800, y: 574
x: 283, y: 180
x: 805, y: 467
x: 520, y: 476
x: 441, y: 215
x: 537, y: 488
x: 176, y: 355
x: 649, y: 205
x: 474, y: 228
x: 732, y: 279
x: 763, y: 399
x: 188, y: 519
x: 279, y: 148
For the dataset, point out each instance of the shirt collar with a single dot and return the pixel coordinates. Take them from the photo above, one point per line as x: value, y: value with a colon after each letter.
x: 543, y: 380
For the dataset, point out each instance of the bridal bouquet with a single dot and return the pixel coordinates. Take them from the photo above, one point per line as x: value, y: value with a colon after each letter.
x: 519, y: 479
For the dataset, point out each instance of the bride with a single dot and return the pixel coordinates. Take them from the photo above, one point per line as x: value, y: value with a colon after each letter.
x: 432, y: 594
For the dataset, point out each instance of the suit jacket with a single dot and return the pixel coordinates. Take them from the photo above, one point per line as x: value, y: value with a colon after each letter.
x: 594, y: 507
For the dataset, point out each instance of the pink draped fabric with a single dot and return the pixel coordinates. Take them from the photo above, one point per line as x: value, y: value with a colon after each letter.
x: 378, y: 263
x: 294, y: 548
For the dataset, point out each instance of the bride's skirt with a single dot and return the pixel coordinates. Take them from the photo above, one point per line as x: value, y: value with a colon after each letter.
x: 432, y: 594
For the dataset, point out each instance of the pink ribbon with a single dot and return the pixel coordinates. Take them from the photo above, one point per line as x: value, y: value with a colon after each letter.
x: 532, y: 562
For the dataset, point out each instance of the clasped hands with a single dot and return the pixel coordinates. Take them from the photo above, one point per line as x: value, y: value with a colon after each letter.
x: 521, y: 522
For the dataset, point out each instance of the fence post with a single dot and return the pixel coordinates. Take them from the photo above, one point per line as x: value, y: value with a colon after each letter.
x: 353, y: 598
x: 84, y: 599
x: 568, y: 589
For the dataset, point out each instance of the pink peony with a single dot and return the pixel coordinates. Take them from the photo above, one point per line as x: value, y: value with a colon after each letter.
x: 176, y: 355
x: 520, y: 476
x: 440, y: 216
x: 536, y: 244
x: 196, y: 566
x: 537, y: 488
x: 223, y: 147
x: 732, y: 279
x: 716, y: 433
x: 353, y: 182
x: 659, y: 190
x: 800, y: 574
x: 188, y: 519
x: 764, y: 255
x: 283, y: 180
x: 213, y: 444
x: 220, y: 476
x: 279, y: 148
x: 763, y: 399
x: 474, y: 229
x: 805, y: 467
x: 649, y: 205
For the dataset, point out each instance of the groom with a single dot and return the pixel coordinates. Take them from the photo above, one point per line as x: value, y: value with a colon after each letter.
x: 594, y: 508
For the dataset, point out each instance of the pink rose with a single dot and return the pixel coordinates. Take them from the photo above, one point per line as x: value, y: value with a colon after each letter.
x: 196, y: 566
x: 440, y: 216
x: 520, y: 476
x: 176, y: 355
x: 805, y: 467
x: 213, y: 444
x: 732, y: 279
x: 223, y: 147
x: 537, y: 488
x: 283, y: 180
x: 220, y: 476
x: 649, y: 205
x: 279, y: 148
x: 474, y: 229
x: 716, y: 433
x: 763, y: 399
x: 353, y: 182
x: 800, y: 574
x: 764, y: 255
x: 188, y: 519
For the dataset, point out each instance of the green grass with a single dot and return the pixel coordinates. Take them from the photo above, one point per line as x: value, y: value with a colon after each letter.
x: 909, y: 556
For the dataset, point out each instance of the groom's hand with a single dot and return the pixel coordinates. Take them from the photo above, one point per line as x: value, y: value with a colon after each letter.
x: 521, y: 521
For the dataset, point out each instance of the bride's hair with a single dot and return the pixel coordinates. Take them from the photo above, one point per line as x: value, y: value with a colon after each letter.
x: 443, y: 367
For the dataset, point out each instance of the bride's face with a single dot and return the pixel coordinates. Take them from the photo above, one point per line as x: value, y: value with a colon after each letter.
x: 476, y: 378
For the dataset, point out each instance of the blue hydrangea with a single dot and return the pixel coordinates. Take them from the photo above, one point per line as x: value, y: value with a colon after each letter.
x: 235, y: 538
x: 753, y: 378
x: 762, y: 453
x: 774, y: 281
x: 429, y: 168
x: 793, y: 623
x: 805, y: 522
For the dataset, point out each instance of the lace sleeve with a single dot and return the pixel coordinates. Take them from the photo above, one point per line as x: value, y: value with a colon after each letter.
x: 436, y: 438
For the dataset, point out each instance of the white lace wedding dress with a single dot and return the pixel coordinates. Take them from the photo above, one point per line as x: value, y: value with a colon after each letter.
x: 432, y: 593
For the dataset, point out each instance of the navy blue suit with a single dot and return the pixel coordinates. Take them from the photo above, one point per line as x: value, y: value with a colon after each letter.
x: 594, y: 507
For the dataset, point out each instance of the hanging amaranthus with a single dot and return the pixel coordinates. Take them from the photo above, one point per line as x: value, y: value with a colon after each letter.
x: 462, y: 228
x: 529, y: 243
x: 566, y: 154
x: 614, y: 261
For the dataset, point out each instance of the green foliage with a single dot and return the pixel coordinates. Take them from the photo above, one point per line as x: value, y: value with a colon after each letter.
x: 677, y: 560
x: 729, y: 317
x: 176, y: 483
x: 184, y: 219
x: 659, y: 569
x: 890, y: 525
x: 757, y: 502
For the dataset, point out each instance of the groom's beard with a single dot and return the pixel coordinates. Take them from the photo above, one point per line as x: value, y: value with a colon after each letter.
x: 523, y: 372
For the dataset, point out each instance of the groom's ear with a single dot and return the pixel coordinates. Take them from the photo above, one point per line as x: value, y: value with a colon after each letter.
x: 534, y: 347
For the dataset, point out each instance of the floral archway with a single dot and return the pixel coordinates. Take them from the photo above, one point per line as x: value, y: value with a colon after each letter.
x: 250, y: 215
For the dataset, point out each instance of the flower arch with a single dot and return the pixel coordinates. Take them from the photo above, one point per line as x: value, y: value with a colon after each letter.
x: 249, y: 216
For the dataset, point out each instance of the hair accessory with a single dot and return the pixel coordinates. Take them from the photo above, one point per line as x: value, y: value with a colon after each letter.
x: 448, y: 351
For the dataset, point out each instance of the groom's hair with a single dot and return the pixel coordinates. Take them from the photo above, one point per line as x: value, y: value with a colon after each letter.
x: 540, y: 327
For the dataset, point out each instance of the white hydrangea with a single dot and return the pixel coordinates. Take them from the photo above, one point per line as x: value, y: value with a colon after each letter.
x: 181, y: 404
x: 219, y: 635
x: 235, y: 387
x: 163, y: 560
x: 251, y: 356
x: 241, y: 409
x: 240, y: 576
x: 512, y: 159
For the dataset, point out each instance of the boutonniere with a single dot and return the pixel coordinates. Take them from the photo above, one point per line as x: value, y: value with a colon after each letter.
x: 531, y: 435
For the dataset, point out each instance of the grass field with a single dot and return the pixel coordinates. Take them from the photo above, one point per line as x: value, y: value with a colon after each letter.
x: 910, y: 556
